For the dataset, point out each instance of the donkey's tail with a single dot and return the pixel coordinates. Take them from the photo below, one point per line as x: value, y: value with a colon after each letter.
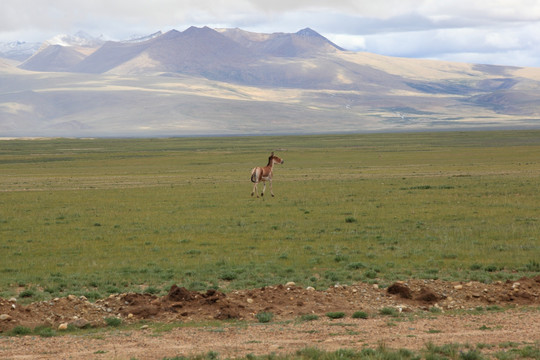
x: 254, y: 175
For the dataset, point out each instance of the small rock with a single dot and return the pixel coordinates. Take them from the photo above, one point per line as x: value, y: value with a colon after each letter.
x: 63, y: 327
x: 144, y: 327
x: 81, y: 323
x: 515, y: 285
x: 290, y: 283
x: 375, y: 286
x: 458, y: 287
x: 5, y: 317
x: 71, y: 297
x: 250, y: 301
x: 12, y: 300
x: 310, y: 288
x: 130, y: 316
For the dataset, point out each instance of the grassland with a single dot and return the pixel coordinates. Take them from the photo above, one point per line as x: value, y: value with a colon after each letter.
x: 99, y: 216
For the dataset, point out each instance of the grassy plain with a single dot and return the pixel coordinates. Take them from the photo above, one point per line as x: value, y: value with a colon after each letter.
x: 99, y: 216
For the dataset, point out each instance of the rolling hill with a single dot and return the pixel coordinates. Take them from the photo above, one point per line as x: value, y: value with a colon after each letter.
x: 204, y: 81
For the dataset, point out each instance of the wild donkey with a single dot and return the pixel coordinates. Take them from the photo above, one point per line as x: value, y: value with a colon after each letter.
x: 264, y: 174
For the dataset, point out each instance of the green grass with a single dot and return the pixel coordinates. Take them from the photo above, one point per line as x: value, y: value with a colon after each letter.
x: 98, y: 216
x: 430, y: 352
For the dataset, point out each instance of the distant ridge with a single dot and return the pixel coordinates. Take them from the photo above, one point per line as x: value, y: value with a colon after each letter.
x: 204, y: 81
x: 202, y: 51
x: 54, y: 58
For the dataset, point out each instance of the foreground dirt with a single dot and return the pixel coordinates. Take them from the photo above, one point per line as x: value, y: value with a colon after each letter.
x: 415, y: 300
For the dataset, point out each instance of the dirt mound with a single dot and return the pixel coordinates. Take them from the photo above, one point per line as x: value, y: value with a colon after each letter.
x: 284, y: 301
x: 400, y: 289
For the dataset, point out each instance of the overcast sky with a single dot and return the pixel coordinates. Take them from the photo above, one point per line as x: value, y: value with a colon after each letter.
x: 505, y: 32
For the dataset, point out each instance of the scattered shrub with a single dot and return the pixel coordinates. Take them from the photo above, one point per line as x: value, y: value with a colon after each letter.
x: 388, y: 311
x: 113, y: 321
x: 21, y: 330
x: 356, y: 266
x: 529, y: 351
x: 264, y: 317
x: 470, y: 355
x: 44, y: 331
x: 228, y: 276
x: 533, y: 266
x: 475, y: 267
x: 309, y: 317
x: 27, y: 293
x: 360, y: 315
x: 151, y: 290
x: 370, y: 274
x: 336, y: 315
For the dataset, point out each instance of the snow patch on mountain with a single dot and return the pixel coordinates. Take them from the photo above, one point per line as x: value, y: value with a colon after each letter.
x: 18, y: 50
x: 142, y: 38
x: 79, y: 39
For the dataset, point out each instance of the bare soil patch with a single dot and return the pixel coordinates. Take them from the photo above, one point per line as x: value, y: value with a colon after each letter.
x: 288, y: 302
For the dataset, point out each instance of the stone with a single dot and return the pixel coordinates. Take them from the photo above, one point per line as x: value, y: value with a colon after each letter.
x: 5, y: 317
x: 81, y: 323
x: 290, y: 283
x: 458, y: 287
x: 63, y: 327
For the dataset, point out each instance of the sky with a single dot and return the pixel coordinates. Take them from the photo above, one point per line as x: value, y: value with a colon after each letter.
x: 499, y: 32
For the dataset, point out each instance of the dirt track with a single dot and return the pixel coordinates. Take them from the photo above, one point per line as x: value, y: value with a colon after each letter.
x: 416, y: 326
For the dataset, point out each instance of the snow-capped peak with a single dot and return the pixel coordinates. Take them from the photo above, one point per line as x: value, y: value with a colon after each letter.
x: 139, y: 38
x: 79, y: 39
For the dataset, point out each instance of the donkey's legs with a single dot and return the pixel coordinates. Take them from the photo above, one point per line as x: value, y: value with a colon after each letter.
x: 271, y: 191
x: 254, y: 191
x: 264, y: 188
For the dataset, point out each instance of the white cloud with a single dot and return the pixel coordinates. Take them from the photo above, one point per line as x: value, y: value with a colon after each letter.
x: 349, y: 42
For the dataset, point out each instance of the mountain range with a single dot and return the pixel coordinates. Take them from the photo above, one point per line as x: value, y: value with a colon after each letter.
x: 204, y: 81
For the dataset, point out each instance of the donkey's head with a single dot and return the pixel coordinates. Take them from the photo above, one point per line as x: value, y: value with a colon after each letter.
x: 273, y: 159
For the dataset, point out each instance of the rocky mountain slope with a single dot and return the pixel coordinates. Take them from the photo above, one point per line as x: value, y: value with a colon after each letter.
x: 204, y: 81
